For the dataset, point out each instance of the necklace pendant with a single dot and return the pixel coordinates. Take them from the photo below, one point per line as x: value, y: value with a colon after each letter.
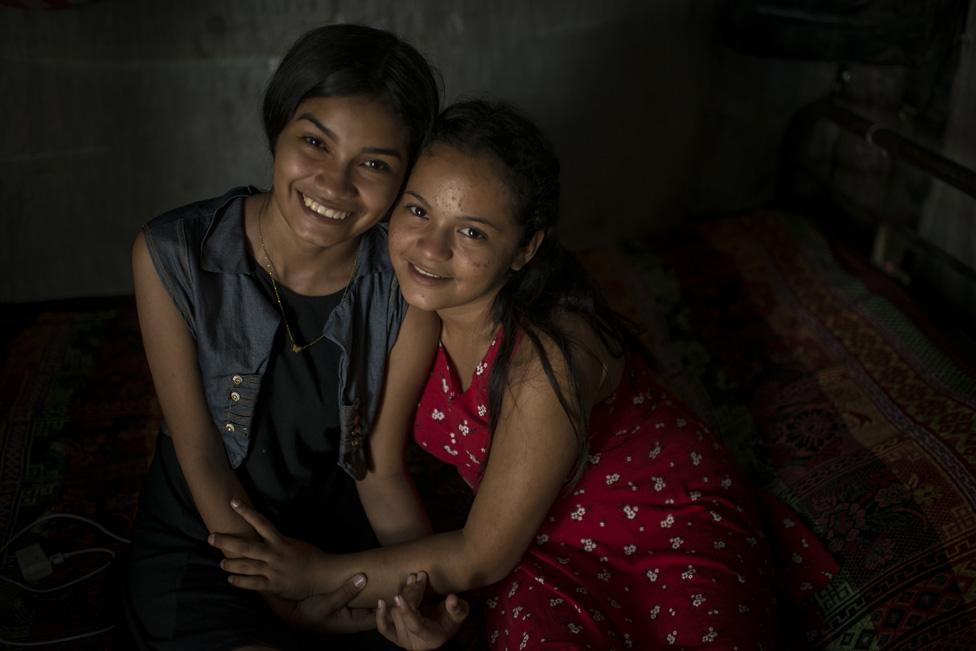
x: 272, y: 272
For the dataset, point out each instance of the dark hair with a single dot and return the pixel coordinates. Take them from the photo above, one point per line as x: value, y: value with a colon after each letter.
x: 553, y: 282
x: 351, y: 60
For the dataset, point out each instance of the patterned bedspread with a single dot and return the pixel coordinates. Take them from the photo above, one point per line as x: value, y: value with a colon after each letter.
x: 835, y: 400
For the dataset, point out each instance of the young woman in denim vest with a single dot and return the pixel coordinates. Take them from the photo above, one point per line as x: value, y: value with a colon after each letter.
x: 606, y: 515
x: 272, y: 322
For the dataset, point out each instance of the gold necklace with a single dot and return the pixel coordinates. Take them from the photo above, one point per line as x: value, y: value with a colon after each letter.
x: 272, y: 272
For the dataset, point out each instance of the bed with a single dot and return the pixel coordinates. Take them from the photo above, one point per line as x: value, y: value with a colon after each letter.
x: 834, y: 389
x: 838, y: 403
x: 843, y: 393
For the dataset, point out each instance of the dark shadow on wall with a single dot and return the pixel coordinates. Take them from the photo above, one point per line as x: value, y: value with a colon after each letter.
x: 121, y: 110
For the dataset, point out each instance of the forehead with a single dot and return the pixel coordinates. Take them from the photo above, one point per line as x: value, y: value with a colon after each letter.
x: 466, y: 180
x: 369, y: 120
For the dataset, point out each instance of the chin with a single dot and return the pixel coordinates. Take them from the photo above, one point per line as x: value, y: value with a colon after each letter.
x: 421, y: 301
x: 427, y: 298
x: 329, y: 235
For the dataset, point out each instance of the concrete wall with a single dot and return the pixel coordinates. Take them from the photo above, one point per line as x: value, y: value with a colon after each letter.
x: 114, y: 111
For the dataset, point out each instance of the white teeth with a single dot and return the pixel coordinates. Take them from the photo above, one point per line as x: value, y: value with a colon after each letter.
x: 425, y: 273
x: 337, y: 215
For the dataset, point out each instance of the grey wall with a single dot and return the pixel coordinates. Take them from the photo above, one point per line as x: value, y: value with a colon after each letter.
x: 114, y: 111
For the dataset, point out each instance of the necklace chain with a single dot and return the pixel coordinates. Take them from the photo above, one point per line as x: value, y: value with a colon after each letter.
x: 272, y: 272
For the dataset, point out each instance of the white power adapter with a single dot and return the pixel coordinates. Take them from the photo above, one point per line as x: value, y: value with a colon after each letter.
x: 34, y: 563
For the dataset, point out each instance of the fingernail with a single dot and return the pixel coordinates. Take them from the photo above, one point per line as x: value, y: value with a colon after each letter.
x: 411, y: 579
x: 211, y: 538
x: 221, y: 564
x: 398, y: 599
x: 359, y: 580
x: 235, y: 503
x: 380, y: 604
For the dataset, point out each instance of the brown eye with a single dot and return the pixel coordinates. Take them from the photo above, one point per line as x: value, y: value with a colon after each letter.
x: 472, y: 233
x: 378, y: 165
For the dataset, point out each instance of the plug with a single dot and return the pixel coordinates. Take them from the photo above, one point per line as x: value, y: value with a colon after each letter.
x: 34, y: 563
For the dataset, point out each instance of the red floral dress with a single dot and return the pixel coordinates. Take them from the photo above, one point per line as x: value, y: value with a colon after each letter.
x: 658, y: 544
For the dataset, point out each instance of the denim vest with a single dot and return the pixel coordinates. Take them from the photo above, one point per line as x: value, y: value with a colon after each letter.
x: 199, y: 252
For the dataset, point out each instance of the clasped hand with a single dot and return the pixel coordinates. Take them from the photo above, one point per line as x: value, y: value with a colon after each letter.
x: 282, y: 568
x: 276, y: 564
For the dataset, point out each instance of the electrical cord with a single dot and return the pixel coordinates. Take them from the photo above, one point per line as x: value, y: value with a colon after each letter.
x: 59, y: 640
x: 57, y: 559
x: 65, y: 516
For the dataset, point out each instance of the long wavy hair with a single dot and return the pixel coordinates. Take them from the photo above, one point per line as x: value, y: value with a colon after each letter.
x: 553, y: 283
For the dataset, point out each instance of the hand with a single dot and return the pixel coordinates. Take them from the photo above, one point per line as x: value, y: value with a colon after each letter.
x: 405, y: 625
x: 276, y: 564
x: 327, y: 613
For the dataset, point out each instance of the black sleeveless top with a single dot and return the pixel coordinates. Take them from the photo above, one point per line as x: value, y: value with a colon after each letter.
x: 291, y: 471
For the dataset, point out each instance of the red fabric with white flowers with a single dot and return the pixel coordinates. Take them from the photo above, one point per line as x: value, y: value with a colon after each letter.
x: 659, y: 543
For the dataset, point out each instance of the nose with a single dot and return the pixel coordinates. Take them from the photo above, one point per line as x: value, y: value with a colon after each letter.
x: 434, y: 243
x: 334, y: 182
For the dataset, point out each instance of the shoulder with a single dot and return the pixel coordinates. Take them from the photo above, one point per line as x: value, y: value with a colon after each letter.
x: 571, y: 334
x: 188, y: 224
x: 374, y: 251
x: 376, y: 283
x: 180, y: 241
x: 576, y: 356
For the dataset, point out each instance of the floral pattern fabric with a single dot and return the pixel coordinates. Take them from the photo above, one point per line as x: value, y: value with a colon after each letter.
x: 659, y: 544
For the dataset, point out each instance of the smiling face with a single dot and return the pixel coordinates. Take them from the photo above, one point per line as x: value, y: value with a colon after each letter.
x: 453, y: 236
x: 339, y: 163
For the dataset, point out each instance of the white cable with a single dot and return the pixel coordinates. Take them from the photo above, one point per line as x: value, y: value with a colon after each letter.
x: 90, y: 550
x: 59, y: 640
x: 58, y: 558
x: 65, y: 516
x: 69, y: 583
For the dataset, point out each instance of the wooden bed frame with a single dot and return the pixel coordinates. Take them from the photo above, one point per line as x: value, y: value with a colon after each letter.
x: 891, y: 247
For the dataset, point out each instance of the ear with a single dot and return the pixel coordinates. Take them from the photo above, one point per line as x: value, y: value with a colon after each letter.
x: 527, y: 252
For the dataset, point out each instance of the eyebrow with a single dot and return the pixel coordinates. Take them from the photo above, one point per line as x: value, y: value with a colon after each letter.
x: 467, y: 218
x: 385, y: 151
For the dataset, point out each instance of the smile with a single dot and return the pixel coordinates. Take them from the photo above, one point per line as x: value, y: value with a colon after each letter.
x: 319, y: 209
x: 425, y: 273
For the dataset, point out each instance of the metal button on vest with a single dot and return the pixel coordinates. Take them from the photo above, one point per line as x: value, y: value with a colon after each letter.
x: 235, y: 396
x: 229, y: 427
x: 237, y: 380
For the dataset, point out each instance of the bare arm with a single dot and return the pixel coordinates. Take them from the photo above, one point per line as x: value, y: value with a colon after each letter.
x: 533, y: 451
x: 387, y: 492
x: 172, y: 356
